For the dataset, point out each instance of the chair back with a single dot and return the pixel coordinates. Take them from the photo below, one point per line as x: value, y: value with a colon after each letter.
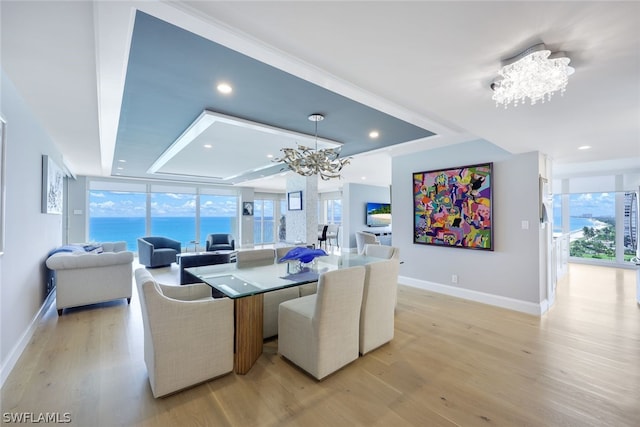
x: 322, y: 232
x: 220, y: 241
x: 381, y: 251
x: 378, y: 304
x: 336, y: 316
x: 177, y: 333
x: 280, y: 252
x: 255, y: 257
x: 363, y: 239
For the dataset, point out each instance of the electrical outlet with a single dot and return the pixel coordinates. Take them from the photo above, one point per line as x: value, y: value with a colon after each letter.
x: 454, y: 278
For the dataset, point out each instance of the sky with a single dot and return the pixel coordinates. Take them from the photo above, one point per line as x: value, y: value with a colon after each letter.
x: 118, y: 204
x: 596, y: 204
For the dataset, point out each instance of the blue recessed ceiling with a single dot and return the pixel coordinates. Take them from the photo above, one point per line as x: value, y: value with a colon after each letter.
x: 172, y: 76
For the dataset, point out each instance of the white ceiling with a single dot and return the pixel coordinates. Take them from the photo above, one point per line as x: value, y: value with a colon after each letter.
x: 428, y: 63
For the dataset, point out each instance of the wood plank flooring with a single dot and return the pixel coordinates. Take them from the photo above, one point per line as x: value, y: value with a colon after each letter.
x: 452, y: 363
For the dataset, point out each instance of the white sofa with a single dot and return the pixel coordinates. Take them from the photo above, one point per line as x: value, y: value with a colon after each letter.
x: 84, y: 278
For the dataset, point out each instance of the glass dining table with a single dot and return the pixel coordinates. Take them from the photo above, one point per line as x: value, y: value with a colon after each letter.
x: 247, y: 285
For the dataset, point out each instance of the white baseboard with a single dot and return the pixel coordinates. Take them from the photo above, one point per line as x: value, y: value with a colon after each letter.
x: 496, y: 300
x: 22, y: 343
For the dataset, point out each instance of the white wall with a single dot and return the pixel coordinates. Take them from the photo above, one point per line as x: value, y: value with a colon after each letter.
x: 354, y: 201
x: 29, y: 234
x: 509, y: 276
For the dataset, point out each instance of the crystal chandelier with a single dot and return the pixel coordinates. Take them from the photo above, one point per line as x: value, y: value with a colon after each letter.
x: 307, y: 161
x: 535, y: 73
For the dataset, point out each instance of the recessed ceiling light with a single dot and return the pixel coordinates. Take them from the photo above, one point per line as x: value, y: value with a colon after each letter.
x: 120, y: 168
x: 224, y: 88
x: 584, y: 147
x: 363, y: 178
x: 207, y: 145
x: 269, y: 156
x: 374, y: 134
x: 122, y: 161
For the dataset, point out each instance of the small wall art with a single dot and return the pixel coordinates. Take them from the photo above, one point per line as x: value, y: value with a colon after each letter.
x: 453, y: 207
x: 52, y: 186
x: 247, y: 209
x: 294, y: 200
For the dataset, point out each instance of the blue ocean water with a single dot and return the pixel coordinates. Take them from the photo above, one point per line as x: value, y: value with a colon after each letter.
x: 576, y: 223
x: 183, y: 229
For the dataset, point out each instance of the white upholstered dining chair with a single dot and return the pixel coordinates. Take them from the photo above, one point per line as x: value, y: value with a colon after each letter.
x: 381, y: 251
x: 320, y: 333
x: 188, y: 336
x: 272, y: 300
x: 363, y: 238
x: 378, y: 304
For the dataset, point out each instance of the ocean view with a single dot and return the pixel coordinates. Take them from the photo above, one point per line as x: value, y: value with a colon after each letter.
x: 576, y: 223
x: 183, y: 229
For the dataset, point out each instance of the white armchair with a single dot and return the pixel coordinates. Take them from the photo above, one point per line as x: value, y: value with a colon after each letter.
x: 320, y: 332
x: 378, y: 304
x: 188, y: 336
x: 363, y: 238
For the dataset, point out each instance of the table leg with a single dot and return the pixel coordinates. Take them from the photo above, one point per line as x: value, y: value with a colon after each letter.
x: 248, y: 320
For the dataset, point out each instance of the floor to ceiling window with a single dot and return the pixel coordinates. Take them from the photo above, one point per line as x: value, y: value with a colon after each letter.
x: 126, y: 211
x: 593, y: 226
x: 282, y: 223
x: 117, y: 216
x: 333, y: 211
x: 218, y: 214
x: 264, y: 221
x: 557, y: 214
x: 173, y: 215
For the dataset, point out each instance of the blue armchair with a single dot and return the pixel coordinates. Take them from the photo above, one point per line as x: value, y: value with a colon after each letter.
x: 157, y: 251
x: 220, y: 242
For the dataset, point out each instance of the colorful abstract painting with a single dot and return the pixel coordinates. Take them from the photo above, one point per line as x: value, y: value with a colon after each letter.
x: 453, y: 207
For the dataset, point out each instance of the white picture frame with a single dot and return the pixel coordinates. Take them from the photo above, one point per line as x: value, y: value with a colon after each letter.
x: 52, y: 186
x: 3, y: 145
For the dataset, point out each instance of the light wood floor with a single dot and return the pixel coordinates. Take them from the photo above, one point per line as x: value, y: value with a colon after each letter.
x: 452, y: 363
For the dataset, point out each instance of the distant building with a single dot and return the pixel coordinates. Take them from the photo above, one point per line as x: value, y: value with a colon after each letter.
x: 631, y: 220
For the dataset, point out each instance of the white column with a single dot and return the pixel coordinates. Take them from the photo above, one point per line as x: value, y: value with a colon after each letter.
x: 302, y: 226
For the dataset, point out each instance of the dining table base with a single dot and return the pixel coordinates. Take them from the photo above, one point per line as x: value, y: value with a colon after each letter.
x: 248, y: 332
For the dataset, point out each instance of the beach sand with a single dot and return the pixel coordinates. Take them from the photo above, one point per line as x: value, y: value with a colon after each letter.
x: 579, y: 234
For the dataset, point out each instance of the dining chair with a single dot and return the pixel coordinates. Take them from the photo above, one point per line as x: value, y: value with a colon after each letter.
x: 332, y: 235
x: 271, y: 300
x: 364, y: 238
x: 322, y: 235
x: 188, y: 336
x: 320, y: 333
x: 378, y: 304
x: 381, y: 251
x: 255, y: 257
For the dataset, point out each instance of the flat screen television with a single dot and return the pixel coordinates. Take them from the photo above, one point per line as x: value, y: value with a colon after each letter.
x: 378, y: 214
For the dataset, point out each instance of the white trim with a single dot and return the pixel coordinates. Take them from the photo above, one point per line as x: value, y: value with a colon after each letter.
x: 481, y: 297
x: 22, y: 343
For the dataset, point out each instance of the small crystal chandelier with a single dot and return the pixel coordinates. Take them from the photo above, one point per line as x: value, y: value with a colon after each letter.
x: 306, y: 161
x: 535, y: 73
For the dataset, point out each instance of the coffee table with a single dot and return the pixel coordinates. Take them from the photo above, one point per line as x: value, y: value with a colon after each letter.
x: 199, y: 259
